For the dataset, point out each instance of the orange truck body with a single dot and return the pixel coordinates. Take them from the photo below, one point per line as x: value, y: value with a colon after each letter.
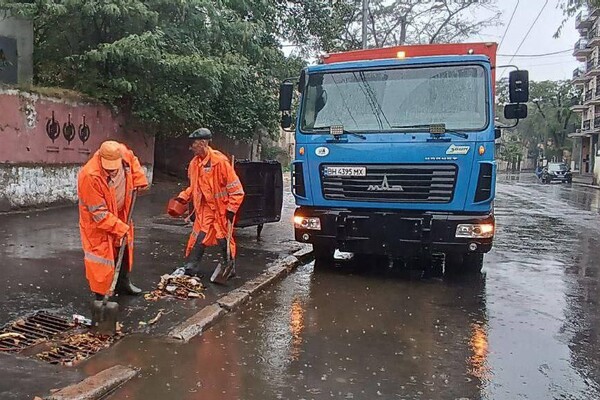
x: 420, y: 50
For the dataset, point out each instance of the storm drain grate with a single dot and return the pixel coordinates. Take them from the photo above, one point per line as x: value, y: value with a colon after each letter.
x: 30, y: 331
x: 76, y: 348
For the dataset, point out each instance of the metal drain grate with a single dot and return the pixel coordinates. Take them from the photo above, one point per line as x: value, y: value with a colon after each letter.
x: 30, y: 331
x: 76, y: 348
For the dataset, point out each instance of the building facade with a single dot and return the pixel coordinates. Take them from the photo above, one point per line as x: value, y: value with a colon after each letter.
x: 585, y: 163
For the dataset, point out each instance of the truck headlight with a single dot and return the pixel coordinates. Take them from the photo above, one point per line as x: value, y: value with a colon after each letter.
x: 309, y: 223
x: 475, y: 231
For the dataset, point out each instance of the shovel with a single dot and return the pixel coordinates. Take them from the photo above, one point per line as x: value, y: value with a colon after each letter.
x: 222, y: 273
x: 105, y: 313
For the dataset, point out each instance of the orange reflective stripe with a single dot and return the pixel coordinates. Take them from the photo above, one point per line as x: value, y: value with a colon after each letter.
x: 97, y: 259
x: 101, y: 206
x: 99, y: 216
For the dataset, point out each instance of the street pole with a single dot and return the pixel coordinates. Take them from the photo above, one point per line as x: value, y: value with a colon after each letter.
x: 364, y: 23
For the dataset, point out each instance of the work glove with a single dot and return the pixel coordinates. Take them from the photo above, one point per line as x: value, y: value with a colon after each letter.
x: 230, y: 215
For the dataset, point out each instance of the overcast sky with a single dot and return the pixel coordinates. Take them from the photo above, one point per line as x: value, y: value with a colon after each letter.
x: 538, y: 41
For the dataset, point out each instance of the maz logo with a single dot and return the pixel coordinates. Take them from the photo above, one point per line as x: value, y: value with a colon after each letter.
x: 385, y: 187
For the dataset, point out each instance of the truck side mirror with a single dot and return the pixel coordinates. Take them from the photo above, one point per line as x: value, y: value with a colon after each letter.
x: 515, y: 111
x: 286, y: 92
x: 286, y: 120
x: 518, y: 86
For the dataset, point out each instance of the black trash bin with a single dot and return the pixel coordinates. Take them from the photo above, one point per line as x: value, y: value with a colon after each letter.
x: 263, y: 185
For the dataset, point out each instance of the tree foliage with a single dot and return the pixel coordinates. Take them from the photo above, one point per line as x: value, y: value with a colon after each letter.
x: 174, y: 64
x: 571, y: 8
x: 337, y: 25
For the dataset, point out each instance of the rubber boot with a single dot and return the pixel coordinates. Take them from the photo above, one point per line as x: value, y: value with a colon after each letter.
x: 192, y: 265
x: 124, y: 285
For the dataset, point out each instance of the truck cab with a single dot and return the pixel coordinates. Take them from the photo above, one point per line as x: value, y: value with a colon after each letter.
x: 395, y: 153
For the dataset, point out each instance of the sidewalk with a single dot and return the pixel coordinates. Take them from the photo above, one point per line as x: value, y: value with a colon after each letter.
x: 42, y: 264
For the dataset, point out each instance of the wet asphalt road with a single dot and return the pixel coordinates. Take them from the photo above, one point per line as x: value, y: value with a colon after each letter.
x: 527, y: 328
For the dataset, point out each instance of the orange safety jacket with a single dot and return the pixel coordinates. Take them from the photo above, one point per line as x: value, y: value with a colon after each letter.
x: 100, y: 223
x: 214, y: 188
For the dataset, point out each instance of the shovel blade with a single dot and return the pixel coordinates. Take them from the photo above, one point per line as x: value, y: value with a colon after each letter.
x: 219, y: 275
x: 105, y: 317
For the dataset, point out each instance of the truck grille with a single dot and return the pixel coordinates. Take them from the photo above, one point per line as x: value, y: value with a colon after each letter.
x: 422, y: 183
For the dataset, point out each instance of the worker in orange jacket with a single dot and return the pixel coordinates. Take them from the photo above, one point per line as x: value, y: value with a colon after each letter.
x: 105, y: 187
x: 216, y: 193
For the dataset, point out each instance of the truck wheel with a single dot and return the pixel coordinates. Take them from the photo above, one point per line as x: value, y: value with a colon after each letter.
x: 323, y: 256
x: 470, y: 263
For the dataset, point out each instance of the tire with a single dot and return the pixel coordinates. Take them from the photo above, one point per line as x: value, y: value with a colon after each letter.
x: 464, y: 264
x: 323, y: 256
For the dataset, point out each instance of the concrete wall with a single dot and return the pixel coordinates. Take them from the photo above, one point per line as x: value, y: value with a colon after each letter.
x: 39, y: 158
x: 20, y: 30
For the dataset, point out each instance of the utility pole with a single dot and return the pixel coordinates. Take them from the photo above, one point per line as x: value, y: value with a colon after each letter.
x: 365, y: 7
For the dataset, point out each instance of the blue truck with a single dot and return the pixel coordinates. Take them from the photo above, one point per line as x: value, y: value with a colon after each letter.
x: 394, y: 152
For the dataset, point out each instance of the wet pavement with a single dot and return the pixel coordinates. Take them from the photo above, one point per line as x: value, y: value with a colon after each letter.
x: 527, y: 328
x: 42, y: 266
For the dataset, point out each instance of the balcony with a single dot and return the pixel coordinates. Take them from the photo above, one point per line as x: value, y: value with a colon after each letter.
x: 592, y: 68
x: 593, y: 37
x: 595, y: 100
x: 596, y: 126
x: 579, y: 76
x: 588, y: 96
x: 581, y: 50
x: 587, y: 125
x: 583, y: 21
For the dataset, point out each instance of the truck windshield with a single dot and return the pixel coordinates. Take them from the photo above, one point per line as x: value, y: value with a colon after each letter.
x: 375, y: 100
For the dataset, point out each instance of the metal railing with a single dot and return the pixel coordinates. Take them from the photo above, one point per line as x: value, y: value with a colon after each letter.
x: 581, y: 44
x: 587, y: 125
x: 581, y: 17
x: 591, y: 64
x: 578, y: 73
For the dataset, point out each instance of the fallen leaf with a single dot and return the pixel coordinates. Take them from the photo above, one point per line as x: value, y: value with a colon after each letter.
x: 153, y: 320
x: 12, y: 335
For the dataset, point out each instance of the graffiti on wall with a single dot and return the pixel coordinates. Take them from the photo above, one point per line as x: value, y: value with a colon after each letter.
x: 53, y: 130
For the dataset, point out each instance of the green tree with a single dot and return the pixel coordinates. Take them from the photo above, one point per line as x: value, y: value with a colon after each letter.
x: 572, y: 7
x: 337, y: 25
x: 550, y: 118
x: 172, y: 64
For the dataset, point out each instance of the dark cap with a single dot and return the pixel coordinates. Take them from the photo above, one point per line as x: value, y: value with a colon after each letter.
x: 202, y: 133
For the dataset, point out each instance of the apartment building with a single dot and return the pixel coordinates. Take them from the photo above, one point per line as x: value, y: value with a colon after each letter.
x: 586, y: 156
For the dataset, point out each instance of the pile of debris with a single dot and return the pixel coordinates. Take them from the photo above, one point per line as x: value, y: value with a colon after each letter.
x: 77, y: 347
x: 181, y: 287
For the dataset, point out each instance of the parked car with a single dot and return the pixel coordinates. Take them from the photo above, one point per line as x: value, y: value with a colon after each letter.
x: 554, y: 172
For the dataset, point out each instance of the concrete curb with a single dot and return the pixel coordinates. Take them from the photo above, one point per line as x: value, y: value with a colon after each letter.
x: 95, y: 386
x: 586, y: 185
x: 210, y: 314
x: 198, y: 322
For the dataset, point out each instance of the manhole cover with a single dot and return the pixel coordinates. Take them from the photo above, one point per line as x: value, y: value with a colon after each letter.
x: 76, y: 348
x: 27, y: 332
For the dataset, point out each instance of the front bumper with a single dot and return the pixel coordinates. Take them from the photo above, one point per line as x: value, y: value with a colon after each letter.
x: 392, y: 233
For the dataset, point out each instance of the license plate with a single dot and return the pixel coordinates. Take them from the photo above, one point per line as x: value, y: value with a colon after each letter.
x: 345, y: 171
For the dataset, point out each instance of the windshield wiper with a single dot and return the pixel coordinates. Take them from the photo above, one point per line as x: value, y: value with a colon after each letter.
x: 434, y: 129
x: 338, y: 130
